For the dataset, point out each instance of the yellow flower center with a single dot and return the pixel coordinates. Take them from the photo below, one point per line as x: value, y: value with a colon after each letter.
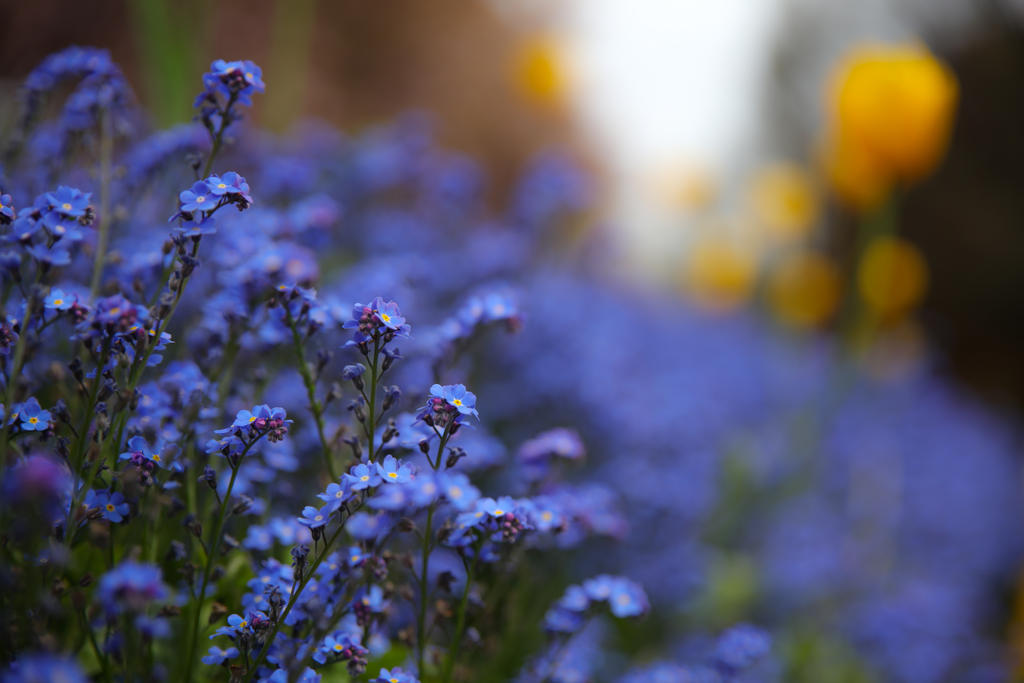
x: 455, y: 492
x: 499, y: 512
x: 364, y: 478
x: 221, y: 186
x: 200, y: 199
x: 59, y: 230
x: 156, y: 457
x: 318, y: 518
x: 393, y: 475
x: 115, y: 310
x: 457, y: 402
x: 33, y: 420
x: 243, y: 623
x: 385, y: 317
x: 339, y: 494
x: 65, y: 206
x: 338, y: 647
x: 110, y: 508
x: 58, y: 302
x: 252, y: 418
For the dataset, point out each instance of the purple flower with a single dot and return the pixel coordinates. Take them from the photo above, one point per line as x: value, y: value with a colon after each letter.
x: 33, y: 417
x: 218, y: 656
x: 396, y: 675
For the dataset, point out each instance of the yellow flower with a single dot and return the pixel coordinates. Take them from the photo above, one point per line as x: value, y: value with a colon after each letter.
x: 721, y: 273
x: 803, y: 290
x: 688, y: 187
x: 785, y: 201
x: 891, y: 111
x: 892, y: 277
x: 539, y: 71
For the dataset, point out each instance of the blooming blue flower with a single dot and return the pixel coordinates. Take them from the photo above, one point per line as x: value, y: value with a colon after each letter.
x: 218, y: 656
x: 197, y: 198
x: 58, y: 300
x: 32, y: 416
x: 458, y: 490
x: 363, y: 476
x: 314, y: 518
x: 391, y: 471
x: 7, y: 214
x: 395, y: 675
x: 68, y: 201
x: 335, y: 496
x: 112, y: 505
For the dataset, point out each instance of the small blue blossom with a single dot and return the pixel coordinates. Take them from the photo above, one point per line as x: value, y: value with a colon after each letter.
x: 395, y: 675
x: 335, y: 496
x: 33, y: 417
x: 391, y: 471
x: 218, y: 656
x: 112, y: 505
x: 58, y: 300
x: 363, y: 476
x: 69, y: 201
x: 314, y: 518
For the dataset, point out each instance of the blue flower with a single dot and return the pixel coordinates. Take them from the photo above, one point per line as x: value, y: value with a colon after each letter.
x: 218, y: 656
x: 739, y: 647
x: 396, y: 675
x: 363, y: 476
x: 448, y: 405
x: 197, y: 198
x: 58, y: 300
x: 335, y: 496
x: 112, y: 506
x: 33, y: 417
x: 457, y: 488
x: 392, y: 472
x: 6, y: 209
x: 313, y: 518
x: 380, y: 319
x: 68, y: 201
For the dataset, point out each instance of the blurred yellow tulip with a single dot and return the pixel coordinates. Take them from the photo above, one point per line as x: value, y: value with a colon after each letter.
x: 892, y: 277
x: 785, y: 201
x: 539, y: 71
x: 891, y: 111
x: 721, y: 273
x: 803, y: 290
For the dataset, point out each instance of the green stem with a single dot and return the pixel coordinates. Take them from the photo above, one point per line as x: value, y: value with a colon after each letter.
x: 460, y: 619
x: 212, y: 556
x: 310, y: 382
x: 307, y: 576
x: 103, y: 230
x: 421, y: 617
x: 371, y: 420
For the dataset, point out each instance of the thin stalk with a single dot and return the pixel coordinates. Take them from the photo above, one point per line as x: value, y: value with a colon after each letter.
x: 460, y: 619
x: 211, y: 557
x: 421, y: 616
x: 307, y: 576
x: 310, y: 382
x: 12, y: 379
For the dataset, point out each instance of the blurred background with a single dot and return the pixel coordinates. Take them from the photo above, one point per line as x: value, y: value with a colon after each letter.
x: 846, y: 175
x: 708, y: 125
